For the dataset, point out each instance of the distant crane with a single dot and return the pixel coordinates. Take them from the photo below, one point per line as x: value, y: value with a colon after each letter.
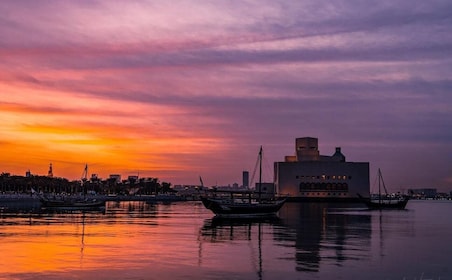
x: 85, y: 174
x: 50, y: 173
x: 84, y: 179
x: 202, y: 183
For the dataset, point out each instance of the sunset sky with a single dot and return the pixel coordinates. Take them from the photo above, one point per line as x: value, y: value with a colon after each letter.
x: 182, y: 89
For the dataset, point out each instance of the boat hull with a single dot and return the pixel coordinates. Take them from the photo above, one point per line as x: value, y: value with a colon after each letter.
x: 72, y: 204
x: 222, y: 208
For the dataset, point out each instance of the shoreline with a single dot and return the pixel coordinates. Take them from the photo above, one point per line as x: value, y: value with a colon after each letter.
x: 31, y: 197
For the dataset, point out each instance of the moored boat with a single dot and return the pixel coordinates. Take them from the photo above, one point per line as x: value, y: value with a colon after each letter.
x: 71, y: 203
x: 241, y: 204
x: 87, y: 203
x: 384, y: 201
x: 235, y: 207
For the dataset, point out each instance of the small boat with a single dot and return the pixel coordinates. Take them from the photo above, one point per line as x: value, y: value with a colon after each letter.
x: 384, y: 201
x: 239, y: 204
x: 71, y: 203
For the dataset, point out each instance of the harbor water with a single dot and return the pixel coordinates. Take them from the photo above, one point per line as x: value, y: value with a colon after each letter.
x: 182, y: 240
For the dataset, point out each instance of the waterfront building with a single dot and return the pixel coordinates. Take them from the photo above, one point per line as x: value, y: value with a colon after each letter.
x: 267, y: 190
x: 423, y: 193
x: 310, y: 176
x: 115, y: 178
x: 132, y: 179
x: 95, y: 178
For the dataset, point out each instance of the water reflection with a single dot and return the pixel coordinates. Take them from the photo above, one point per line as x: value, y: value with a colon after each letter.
x: 182, y: 240
x: 327, y: 233
x: 319, y: 233
x: 223, y: 229
x: 250, y: 230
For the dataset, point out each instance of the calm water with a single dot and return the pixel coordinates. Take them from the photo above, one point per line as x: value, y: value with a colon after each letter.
x: 136, y: 240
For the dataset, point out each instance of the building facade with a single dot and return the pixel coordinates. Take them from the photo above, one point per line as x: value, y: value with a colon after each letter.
x: 311, y: 176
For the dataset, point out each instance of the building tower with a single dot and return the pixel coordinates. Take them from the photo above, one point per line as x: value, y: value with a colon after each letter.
x: 246, y: 179
x: 50, y: 174
x: 307, y: 149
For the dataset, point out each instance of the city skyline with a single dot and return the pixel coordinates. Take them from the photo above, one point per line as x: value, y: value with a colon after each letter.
x: 194, y: 88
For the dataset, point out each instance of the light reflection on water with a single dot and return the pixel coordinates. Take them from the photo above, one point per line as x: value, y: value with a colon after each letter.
x: 138, y: 240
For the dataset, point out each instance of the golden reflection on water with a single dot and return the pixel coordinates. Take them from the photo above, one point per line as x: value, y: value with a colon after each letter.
x: 125, y: 237
x: 39, y: 248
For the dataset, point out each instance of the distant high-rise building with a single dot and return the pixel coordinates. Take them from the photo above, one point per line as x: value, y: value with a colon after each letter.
x: 246, y: 179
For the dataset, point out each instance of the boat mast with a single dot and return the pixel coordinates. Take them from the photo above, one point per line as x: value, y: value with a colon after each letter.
x: 379, y: 190
x: 383, y: 182
x: 260, y: 173
x: 84, y: 179
x: 380, y: 180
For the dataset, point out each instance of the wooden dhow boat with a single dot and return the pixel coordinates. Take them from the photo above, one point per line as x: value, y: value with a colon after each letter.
x: 240, y: 204
x: 384, y: 201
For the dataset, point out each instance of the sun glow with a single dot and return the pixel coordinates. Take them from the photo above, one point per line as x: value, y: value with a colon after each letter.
x: 42, y: 126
